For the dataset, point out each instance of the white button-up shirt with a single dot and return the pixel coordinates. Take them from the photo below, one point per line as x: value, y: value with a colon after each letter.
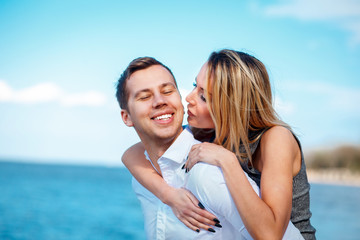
x: 207, y: 184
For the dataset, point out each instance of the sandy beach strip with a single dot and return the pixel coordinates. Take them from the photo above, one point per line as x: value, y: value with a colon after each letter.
x: 334, y: 176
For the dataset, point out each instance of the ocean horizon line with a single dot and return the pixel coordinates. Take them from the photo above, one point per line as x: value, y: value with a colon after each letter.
x: 321, y: 177
x: 58, y: 162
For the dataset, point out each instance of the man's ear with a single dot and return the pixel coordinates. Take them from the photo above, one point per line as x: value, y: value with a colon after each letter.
x: 125, y: 115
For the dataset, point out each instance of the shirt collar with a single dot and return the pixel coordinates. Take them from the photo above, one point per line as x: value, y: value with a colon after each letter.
x: 180, y: 148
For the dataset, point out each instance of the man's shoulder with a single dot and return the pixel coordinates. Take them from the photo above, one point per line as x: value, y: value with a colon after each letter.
x: 207, y: 184
x: 206, y: 173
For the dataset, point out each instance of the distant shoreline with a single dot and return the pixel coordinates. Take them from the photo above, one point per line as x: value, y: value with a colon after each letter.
x: 342, y: 177
x: 334, y: 177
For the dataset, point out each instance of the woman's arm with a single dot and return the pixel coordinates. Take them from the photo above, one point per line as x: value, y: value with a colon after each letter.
x: 183, y: 203
x: 135, y: 161
x: 268, y: 216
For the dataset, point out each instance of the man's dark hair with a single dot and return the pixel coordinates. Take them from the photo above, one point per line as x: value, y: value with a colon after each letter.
x: 135, y: 65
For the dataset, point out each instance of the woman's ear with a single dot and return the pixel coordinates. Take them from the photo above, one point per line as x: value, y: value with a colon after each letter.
x: 125, y: 115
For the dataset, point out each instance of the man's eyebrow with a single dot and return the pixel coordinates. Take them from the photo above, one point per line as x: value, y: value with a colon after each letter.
x: 168, y: 84
x: 146, y: 90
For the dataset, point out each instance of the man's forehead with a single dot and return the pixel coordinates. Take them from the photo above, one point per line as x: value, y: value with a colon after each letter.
x: 153, y: 77
x: 156, y: 87
x: 154, y: 69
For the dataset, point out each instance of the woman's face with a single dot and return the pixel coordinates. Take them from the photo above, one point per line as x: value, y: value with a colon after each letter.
x: 198, y: 112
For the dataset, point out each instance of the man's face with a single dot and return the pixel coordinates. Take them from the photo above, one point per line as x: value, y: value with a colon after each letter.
x: 154, y: 105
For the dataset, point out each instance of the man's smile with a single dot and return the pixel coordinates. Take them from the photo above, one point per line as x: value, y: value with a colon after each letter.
x: 163, y: 117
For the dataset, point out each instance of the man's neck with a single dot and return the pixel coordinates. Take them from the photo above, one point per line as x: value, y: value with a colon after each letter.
x: 155, y: 148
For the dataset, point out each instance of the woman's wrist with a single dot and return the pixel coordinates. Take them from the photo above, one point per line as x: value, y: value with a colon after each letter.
x: 228, y: 160
x: 166, y: 194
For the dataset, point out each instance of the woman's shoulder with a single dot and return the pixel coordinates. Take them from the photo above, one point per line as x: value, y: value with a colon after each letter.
x: 280, y: 133
x: 132, y: 151
x: 279, y: 137
x: 279, y: 152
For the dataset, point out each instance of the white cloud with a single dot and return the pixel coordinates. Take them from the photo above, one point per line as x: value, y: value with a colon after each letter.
x: 49, y: 92
x: 90, y: 98
x: 339, y: 98
x: 44, y: 92
x: 354, y: 27
x: 184, y: 92
x: 6, y: 92
x: 345, y: 13
x: 283, y: 108
x: 316, y: 9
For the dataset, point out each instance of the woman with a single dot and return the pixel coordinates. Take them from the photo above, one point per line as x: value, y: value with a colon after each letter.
x: 232, y: 95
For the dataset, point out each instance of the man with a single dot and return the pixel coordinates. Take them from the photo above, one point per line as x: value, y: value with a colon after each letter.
x: 150, y: 102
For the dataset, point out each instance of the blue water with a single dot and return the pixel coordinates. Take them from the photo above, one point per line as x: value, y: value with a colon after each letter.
x: 67, y: 202
x: 46, y: 202
x: 336, y: 211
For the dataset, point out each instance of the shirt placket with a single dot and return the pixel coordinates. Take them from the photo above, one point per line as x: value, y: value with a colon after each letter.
x: 161, y: 222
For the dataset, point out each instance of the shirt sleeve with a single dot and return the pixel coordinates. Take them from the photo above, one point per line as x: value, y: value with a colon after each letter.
x: 207, y: 183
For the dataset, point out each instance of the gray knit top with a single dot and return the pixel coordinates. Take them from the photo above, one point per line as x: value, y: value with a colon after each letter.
x: 300, y: 212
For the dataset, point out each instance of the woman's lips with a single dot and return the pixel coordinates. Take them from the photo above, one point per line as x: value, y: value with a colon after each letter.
x: 190, y: 113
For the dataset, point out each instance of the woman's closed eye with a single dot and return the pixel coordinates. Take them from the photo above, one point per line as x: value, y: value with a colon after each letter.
x: 201, y: 92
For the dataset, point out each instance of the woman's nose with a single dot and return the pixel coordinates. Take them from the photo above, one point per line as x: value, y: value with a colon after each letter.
x: 190, y: 97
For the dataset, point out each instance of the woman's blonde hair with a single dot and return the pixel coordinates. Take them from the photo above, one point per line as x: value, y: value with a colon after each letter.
x: 240, y: 100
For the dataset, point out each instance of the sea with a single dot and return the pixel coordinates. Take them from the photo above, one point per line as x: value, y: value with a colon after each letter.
x: 44, y: 202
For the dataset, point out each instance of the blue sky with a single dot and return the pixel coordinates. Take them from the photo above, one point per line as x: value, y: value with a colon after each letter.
x: 59, y: 61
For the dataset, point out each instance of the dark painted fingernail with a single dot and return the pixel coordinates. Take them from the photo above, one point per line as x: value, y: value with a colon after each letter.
x: 218, y: 225
x: 183, y: 166
x: 211, y: 230
x: 197, y: 230
x: 201, y: 206
x: 187, y: 170
x: 216, y: 220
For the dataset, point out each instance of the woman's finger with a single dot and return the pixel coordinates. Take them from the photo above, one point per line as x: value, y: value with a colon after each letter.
x: 192, y: 158
x: 206, y: 152
x: 201, y: 214
x: 189, y: 225
x: 205, y: 217
x: 194, y: 222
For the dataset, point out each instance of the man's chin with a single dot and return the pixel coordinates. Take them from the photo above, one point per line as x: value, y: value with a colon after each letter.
x: 169, y: 132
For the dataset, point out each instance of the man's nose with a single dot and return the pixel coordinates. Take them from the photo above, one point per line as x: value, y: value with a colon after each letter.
x: 159, y: 101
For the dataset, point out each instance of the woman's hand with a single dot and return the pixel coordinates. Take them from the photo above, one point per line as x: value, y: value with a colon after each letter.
x: 189, y: 210
x: 210, y: 153
x: 183, y: 203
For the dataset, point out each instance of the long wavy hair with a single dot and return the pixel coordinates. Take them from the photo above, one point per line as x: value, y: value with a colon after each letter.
x: 239, y: 99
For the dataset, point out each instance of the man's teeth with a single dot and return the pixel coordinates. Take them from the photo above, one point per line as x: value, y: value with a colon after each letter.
x: 165, y: 116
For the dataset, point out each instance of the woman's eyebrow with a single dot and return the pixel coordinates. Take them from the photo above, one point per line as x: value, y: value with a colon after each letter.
x: 197, y: 84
